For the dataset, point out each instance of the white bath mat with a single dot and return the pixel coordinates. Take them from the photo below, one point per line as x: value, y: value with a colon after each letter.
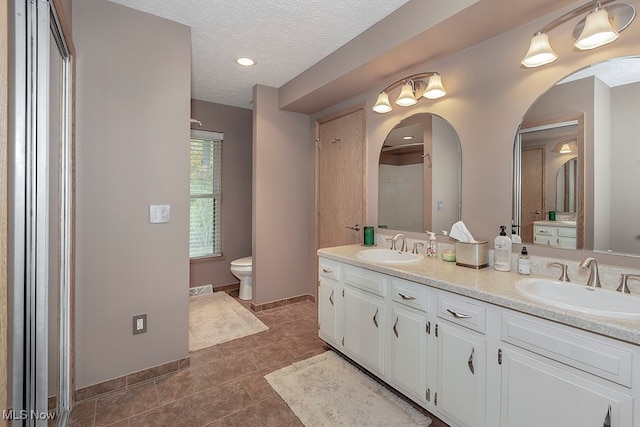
x: 218, y: 318
x: 326, y: 390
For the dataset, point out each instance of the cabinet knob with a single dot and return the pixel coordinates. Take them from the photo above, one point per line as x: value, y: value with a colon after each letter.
x: 459, y: 315
x: 375, y: 321
x: 406, y: 298
x: 470, y: 362
x: 607, y: 418
x: 331, y: 297
x: 395, y: 330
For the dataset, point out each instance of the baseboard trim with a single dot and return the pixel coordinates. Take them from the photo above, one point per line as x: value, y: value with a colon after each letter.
x: 282, y: 302
x: 129, y: 380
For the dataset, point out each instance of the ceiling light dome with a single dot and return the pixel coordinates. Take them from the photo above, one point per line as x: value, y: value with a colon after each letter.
x: 245, y: 61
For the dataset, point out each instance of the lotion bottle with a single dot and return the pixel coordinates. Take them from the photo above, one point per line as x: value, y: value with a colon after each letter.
x: 431, y: 247
x: 502, y: 251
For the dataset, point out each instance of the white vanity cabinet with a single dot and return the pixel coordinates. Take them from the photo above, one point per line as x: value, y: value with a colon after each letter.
x: 472, y: 363
x: 408, y: 339
x: 554, y: 235
x: 364, y: 317
x: 328, y: 288
x: 553, y: 375
x: 461, y: 360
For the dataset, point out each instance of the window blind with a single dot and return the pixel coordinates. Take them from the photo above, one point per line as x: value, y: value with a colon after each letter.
x: 205, y: 209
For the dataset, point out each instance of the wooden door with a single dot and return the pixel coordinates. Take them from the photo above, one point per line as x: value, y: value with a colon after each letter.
x: 532, y: 189
x: 341, y: 178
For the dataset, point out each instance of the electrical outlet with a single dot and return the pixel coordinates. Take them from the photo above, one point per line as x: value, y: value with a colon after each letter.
x: 159, y: 214
x: 139, y: 324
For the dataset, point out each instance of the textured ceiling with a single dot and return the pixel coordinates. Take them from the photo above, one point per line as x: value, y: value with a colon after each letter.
x: 285, y: 37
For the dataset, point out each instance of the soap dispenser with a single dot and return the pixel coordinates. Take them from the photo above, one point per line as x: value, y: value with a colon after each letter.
x: 502, y: 251
x: 431, y: 247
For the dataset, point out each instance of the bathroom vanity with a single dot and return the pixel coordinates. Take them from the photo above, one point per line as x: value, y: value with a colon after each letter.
x: 561, y: 234
x: 466, y: 346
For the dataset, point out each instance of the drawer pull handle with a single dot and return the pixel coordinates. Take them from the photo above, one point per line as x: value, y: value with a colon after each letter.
x: 406, y: 298
x: 607, y: 418
x: 375, y: 321
x: 327, y: 270
x: 459, y: 315
x: 395, y: 330
x: 470, y: 362
x: 331, y: 298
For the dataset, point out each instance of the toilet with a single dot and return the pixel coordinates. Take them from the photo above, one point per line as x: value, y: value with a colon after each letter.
x: 242, y: 268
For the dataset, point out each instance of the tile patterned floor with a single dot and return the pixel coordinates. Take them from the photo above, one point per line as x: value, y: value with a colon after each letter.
x: 224, y: 386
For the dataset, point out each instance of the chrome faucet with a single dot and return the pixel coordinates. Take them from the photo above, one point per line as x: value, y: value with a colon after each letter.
x: 624, y: 288
x: 594, y: 276
x: 394, y: 240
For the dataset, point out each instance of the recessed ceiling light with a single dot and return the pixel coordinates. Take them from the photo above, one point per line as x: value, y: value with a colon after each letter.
x: 407, y: 137
x: 246, y: 61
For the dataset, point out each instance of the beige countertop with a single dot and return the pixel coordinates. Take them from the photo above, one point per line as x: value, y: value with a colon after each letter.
x: 490, y: 286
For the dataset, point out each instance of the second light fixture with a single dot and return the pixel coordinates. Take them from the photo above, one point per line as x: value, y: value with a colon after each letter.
x: 412, y: 90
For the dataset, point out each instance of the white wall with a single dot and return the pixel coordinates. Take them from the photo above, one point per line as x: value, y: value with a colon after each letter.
x: 132, y: 150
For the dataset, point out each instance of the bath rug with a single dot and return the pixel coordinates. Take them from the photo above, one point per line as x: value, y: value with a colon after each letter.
x: 326, y: 390
x: 216, y: 318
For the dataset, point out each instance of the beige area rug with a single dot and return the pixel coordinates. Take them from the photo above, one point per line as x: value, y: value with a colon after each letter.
x: 216, y: 318
x: 326, y: 390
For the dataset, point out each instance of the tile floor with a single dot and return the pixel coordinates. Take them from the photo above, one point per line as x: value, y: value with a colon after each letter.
x: 224, y: 385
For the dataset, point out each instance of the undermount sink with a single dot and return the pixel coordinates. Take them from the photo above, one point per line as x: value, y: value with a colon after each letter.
x: 585, y: 299
x: 388, y: 256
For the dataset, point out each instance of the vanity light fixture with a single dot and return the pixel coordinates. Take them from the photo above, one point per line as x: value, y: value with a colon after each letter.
x: 565, y: 149
x: 412, y: 90
x: 601, y: 26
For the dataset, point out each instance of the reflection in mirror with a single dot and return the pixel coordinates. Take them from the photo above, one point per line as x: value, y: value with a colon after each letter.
x: 419, y: 175
x: 588, y: 189
x: 566, y: 181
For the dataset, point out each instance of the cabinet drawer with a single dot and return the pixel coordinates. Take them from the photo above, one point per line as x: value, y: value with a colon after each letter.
x: 566, y: 232
x: 541, y: 240
x: 543, y: 230
x: 365, y: 280
x: 569, y: 347
x: 461, y: 311
x: 329, y: 269
x: 409, y: 293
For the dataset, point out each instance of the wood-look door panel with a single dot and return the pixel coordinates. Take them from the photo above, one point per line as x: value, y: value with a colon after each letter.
x: 341, y: 179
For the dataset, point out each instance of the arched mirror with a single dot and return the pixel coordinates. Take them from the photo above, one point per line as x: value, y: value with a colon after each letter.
x: 575, y: 158
x: 419, y: 175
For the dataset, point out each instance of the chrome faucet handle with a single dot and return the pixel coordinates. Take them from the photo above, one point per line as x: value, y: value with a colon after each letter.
x: 624, y: 288
x: 415, y: 247
x: 564, y: 276
x: 393, y: 243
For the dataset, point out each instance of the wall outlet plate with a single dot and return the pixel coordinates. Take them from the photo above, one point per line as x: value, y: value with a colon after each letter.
x: 139, y: 324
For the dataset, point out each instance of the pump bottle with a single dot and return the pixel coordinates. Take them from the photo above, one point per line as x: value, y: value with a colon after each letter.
x: 502, y: 251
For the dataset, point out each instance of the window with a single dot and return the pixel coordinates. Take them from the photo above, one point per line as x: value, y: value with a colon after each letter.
x: 205, y: 225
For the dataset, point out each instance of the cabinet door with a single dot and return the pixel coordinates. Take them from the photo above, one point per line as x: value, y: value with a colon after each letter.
x: 461, y: 374
x: 408, y: 345
x: 363, y: 326
x: 536, y: 393
x: 327, y: 313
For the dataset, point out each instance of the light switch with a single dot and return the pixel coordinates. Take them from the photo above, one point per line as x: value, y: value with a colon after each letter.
x: 159, y: 214
x: 440, y: 205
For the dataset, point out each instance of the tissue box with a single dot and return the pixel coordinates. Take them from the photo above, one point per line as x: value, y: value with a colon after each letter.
x: 472, y: 255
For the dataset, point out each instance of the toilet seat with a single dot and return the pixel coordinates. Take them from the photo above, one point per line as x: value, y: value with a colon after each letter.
x: 243, y: 262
